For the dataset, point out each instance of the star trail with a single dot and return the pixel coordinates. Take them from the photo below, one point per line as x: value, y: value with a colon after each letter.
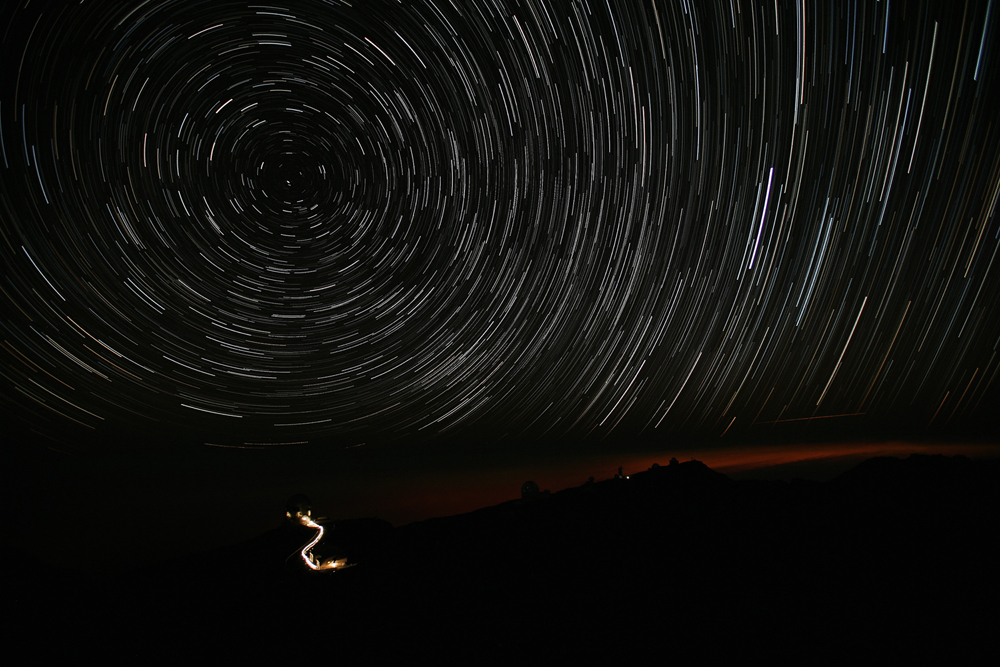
x: 391, y: 221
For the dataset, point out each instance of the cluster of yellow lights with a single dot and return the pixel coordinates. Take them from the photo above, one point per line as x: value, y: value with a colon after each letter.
x: 307, y: 557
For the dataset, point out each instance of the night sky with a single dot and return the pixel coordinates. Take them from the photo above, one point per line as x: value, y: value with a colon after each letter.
x: 389, y: 223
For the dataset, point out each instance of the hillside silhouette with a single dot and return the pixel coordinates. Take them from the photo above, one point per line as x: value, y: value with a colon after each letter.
x: 896, y: 557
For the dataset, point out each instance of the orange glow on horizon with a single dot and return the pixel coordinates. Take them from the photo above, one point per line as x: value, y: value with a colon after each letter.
x: 423, y: 495
x: 738, y: 459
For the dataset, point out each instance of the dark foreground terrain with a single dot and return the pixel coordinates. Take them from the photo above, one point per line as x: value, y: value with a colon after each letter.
x: 895, y: 560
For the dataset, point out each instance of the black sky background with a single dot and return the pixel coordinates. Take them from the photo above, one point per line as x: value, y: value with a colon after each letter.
x: 462, y: 231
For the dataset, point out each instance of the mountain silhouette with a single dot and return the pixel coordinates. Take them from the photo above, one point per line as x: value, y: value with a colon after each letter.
x: 894, y: 558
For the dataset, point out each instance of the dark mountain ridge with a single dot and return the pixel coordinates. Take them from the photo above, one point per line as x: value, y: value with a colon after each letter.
x: 894, y: 555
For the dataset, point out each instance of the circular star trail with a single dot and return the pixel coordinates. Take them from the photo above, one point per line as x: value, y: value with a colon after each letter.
x: 383, y: 220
